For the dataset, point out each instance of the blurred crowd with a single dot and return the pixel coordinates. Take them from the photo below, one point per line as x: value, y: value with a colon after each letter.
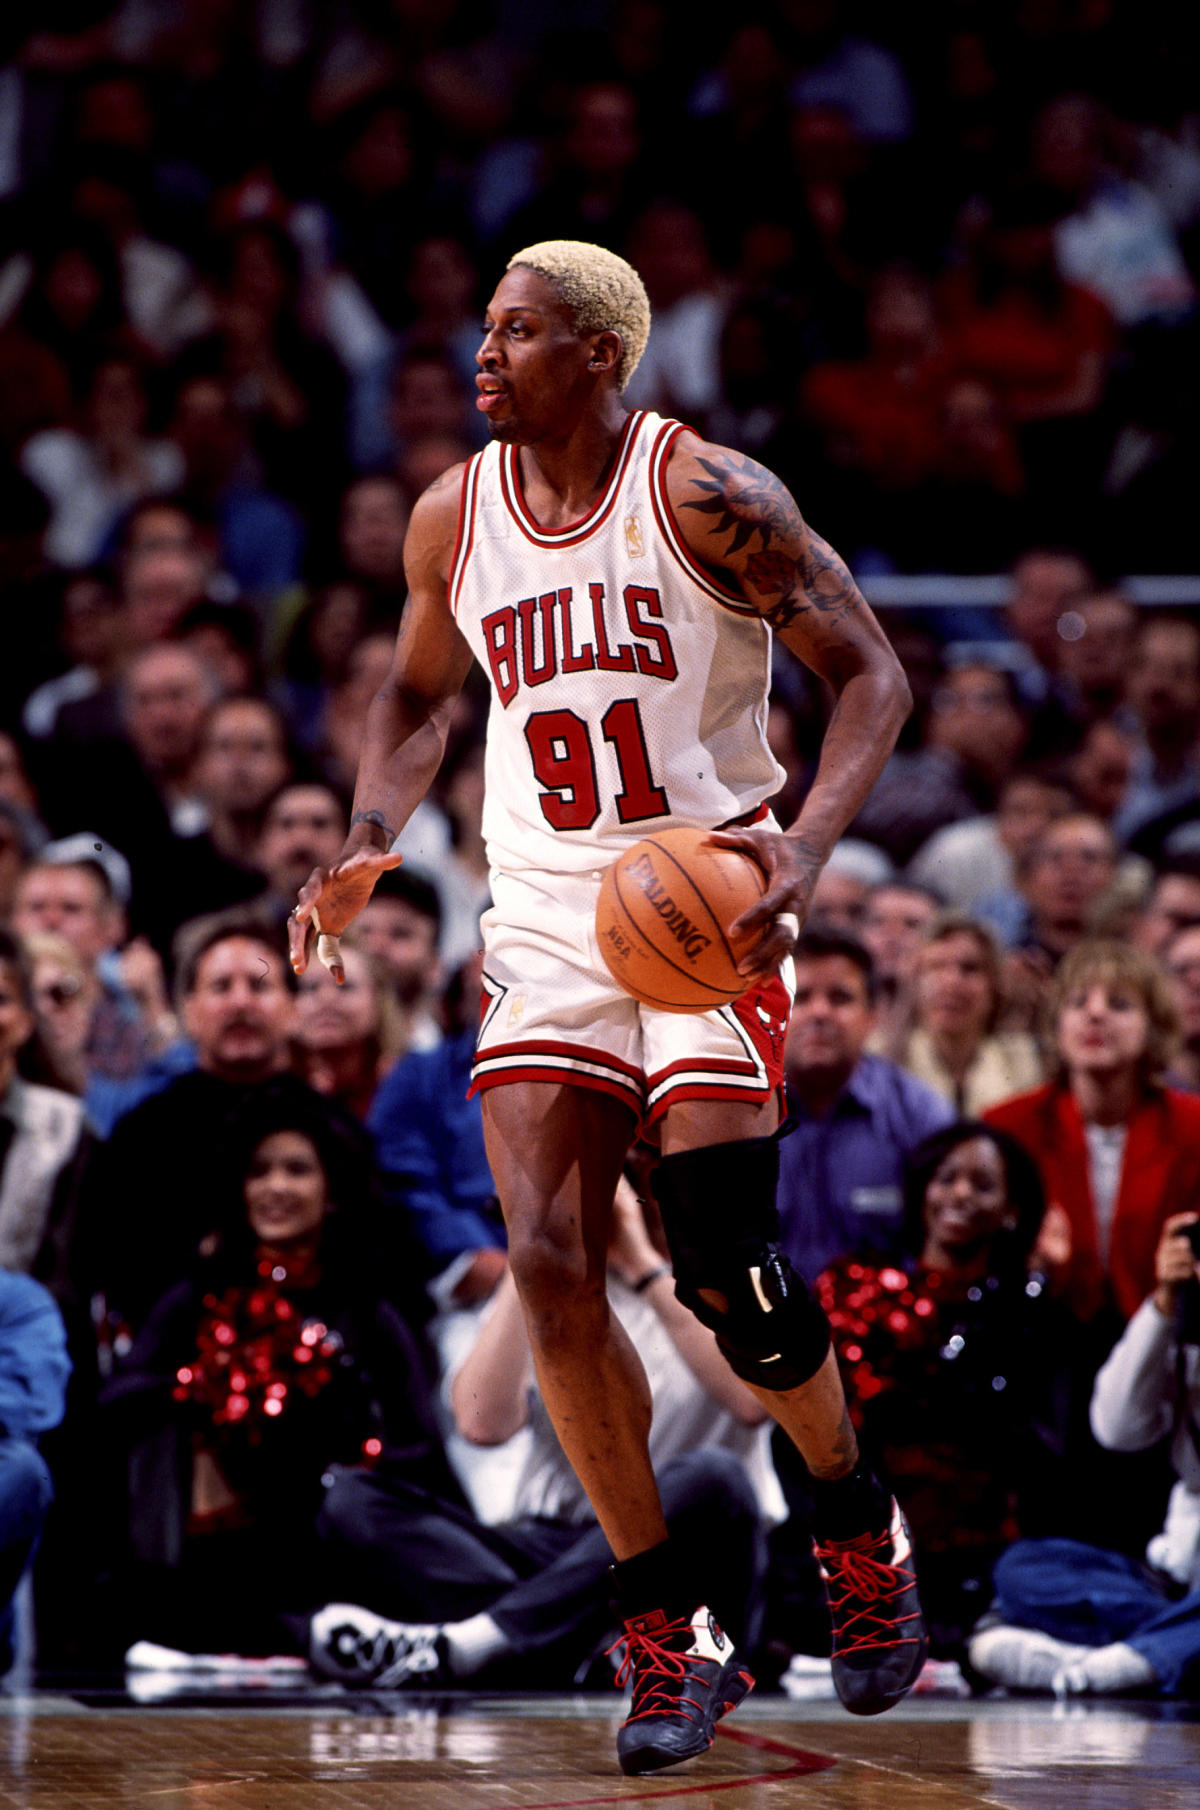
x: 262, y: 1384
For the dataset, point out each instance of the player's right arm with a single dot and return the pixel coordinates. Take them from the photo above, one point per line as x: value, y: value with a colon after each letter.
x: 404, y: 736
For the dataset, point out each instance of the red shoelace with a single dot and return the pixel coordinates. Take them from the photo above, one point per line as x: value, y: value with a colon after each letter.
x: 668, y: 1663
x: 872, y: 1581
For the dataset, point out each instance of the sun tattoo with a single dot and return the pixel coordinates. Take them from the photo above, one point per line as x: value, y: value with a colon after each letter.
x: 745, y: 502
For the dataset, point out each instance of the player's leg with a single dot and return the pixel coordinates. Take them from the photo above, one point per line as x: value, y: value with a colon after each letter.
x: 716, y: 1187
x: 556, y: 1153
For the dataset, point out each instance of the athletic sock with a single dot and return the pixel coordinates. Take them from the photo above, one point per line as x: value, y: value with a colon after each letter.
x: 651, y: 1580
x: 845, y: 1507
x: 471, y: 1643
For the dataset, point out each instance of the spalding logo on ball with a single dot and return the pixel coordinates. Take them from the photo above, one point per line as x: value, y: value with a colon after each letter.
x: 663, y: 918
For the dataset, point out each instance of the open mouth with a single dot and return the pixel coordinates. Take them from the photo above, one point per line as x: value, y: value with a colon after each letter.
x: 491, y: 394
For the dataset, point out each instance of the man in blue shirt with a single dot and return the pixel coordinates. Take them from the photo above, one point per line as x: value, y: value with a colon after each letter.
x: 34, y: 1367
x: 856, y: 1116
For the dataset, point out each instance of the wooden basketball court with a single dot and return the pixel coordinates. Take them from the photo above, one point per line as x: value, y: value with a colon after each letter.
x: 320, y: 1748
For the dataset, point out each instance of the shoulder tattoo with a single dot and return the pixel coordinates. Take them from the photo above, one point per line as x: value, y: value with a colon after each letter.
x: 791, y: 568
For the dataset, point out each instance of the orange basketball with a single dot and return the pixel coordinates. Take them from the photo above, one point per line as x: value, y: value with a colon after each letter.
x: 663, y: 917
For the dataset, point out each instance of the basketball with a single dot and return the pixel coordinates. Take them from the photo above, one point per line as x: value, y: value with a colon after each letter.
x: 663, y: 917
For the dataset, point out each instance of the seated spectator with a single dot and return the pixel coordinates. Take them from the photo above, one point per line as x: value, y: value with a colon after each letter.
x: 34, y: 1367
x: 348, y: 1033
x: 1063, y: 879
x: 1181, y: 958
x: 845, y: 883
x: 79, y: 888
x: 976, y: 731
x: 856, y: 1115
x: 893, y: 930
x: 1163, y: 694
x: 242, y: 761
x: 21, y: 836
x: 529, y: 1598
x: 922, y: 1343
x: 91, y: 473
x: 1081, y: 1620
x: 969, y: 862
x: 1095, y: 656
x: 44, y: 1143
x: 1118, y: 1150
x: 303, y: 826
x: 400, y: 925
x: 275, y: 1361
x: 236, y: 1002
x: 1172, y: 905
x: 953, y: 1040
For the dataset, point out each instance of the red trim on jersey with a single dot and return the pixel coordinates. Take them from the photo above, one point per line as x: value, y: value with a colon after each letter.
x: 513, y: 492
x: 698, y: 1090
x: 464, y: 540
x: 573, y: 1052
x: 668, y: 527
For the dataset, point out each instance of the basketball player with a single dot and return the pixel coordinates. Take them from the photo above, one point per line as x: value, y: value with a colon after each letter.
x: 620, y: 581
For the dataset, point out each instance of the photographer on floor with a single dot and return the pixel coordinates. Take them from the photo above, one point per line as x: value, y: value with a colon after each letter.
x: 1077, y: 1619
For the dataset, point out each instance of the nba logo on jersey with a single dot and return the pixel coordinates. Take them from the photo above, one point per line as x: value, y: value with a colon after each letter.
x: 633, y: 537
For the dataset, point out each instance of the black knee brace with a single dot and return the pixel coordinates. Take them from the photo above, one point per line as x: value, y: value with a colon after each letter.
x: 719, y: 1215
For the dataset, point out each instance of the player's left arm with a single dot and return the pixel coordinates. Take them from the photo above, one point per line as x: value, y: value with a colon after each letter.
x: 742, y: 523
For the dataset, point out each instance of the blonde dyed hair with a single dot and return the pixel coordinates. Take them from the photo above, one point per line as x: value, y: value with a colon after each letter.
x: 1113, y: 963
x: 603, y: 293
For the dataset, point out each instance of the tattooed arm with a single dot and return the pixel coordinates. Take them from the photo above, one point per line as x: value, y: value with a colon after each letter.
x: 404, y: 735
x: 743, y: 525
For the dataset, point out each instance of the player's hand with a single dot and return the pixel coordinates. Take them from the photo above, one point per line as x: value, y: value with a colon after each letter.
x: 780, y: 914
x: 330, y: 899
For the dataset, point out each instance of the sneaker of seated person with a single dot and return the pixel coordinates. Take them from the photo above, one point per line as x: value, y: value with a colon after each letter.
x: 1022, y: 1659
x: 879, y: 1641
x: 1105, y: 1671
x: 361, y: 1648
x: 686, y: 1675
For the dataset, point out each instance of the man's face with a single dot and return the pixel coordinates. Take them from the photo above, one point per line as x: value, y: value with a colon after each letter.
x: 1183, y: 965
x: 167, y: 697
x: 242, y: 756
x: 1173, y: 906
x: 305, y: 828
x: 374, y: 523
x: 1164, y: 682
x: 404, y: 940
x: 71, y: 902
x: 831, y: 1019
x: 239, y: 1013
x: 532, y: 363
x: 894, y: 928
x: 1074, y: 863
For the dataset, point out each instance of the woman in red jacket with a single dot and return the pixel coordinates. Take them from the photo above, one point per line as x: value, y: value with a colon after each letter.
x: 1118, y: 1149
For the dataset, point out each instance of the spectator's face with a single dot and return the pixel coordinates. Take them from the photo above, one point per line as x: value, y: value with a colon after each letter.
x: 333, y: 1017
x: 831, y: 1018
x: 840, y: 900
x: 374, y: 524
x: 1026, y: 809
x: 1183, y: 965
x: 286, y: 1190
x: 1074, y: 865
x: 1103, y: 1028
x: 12, y: 861
x: 305, y: 828
x: 159, y: 586
x: 168, y: 695
x: 240, y: 1013
x: 893, y: 927
x: 14, y: 781
x: 65, y: 999
x: 242, y: 756
x: 16, y: 1024
x: 1164, y: 683
x: 1101, y: 768
x: 1097, y: 656
x: 975, y: 718
x: 404, y: 940
x: 1174, y: 906
x: 966, y: 1201
x: 954, y: 987
x: 1044, y: 585
x: 70, y: 902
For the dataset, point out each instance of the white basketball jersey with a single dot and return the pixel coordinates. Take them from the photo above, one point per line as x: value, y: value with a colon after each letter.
x: 629, y: 688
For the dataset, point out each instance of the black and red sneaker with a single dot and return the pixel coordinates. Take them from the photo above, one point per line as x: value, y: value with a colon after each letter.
x: 686, y: 1676
x: 879, y: 1638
